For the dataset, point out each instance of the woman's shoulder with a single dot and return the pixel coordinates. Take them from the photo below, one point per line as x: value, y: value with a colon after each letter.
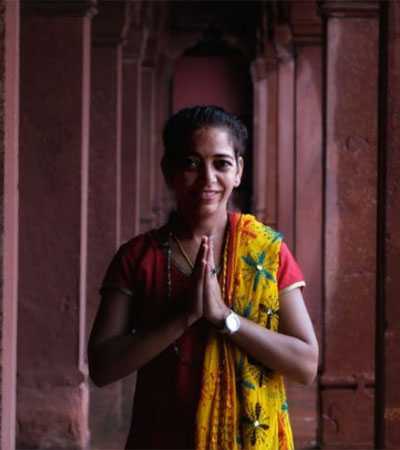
x: 155, y: 237
x: 141, y: 240
x: 151, y: 241
x: 138, y: 252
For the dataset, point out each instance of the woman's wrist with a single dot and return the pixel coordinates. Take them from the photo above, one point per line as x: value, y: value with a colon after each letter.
x: 219, y: 320
x: 191, y: 318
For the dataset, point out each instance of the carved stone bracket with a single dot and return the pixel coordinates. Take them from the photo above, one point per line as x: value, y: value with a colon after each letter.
x: 283, y: 42
x: 135, y: 43
x: 259, y: 69
x: 368, y: 8
x: 110, y: 26
x: 151, y: 52
x: 146, y: 36
x: 67, y: 8
x: 305, y: 22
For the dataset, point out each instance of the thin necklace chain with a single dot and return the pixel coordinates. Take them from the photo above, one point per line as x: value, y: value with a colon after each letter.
x: 183, y: 251
x: 186, y: 256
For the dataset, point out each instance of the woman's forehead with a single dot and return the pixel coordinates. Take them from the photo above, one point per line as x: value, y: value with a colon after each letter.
x: 211, y: 138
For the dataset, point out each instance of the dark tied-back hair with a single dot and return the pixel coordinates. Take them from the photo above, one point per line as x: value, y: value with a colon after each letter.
x: 179, y: 128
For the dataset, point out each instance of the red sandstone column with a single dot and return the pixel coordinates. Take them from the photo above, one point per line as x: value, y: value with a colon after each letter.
x: 308, y: 173
x: 350, y: 224
x: 108, y: 30
x: 272, y: 126
x: 54, y: 144
x: 147, y: 144
x: 285, y: 139
x: 161, y: 112
x: 9, y: 113
x: 300, y: 179
x: 264, y: 73
x: 260, y: 133
x: 307, y: 176
x: 131, y: 131
x: 390, y: 330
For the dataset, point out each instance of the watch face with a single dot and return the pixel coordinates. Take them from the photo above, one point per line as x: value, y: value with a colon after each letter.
x: 232, y: 322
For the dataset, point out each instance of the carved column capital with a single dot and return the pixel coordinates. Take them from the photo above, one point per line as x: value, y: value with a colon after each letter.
x: 259, y: 70
x: 368, y: 8
x: 151, y: 52
x: 335, y: 8
x: 110, y: 26
x: 305, y: 22
x: 283, y: 42
x: 135, y: 43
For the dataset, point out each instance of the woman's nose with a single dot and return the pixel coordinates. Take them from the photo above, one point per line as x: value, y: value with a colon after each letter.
x: 209, y: 173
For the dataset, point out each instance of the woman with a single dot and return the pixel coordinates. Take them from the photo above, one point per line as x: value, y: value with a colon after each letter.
x: 209, y: 307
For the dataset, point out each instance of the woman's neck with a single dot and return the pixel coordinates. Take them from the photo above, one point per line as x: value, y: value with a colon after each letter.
x: 194, y: 227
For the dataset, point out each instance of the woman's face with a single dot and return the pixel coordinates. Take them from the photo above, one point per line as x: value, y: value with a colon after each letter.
x: 203, y: 178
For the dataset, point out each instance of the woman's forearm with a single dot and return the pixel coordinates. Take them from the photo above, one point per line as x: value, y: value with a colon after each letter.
x: 119, y: 356
x: 287, y: 355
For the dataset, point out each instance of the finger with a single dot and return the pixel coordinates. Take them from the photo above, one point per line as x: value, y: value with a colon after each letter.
x: 207, y: 277
x: 211, y: 256
x: 201, y: 255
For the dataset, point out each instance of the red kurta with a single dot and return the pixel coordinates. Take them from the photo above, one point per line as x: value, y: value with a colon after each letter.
x: 167, y: 390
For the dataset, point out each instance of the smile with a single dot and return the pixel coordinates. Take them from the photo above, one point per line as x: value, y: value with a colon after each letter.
x: 207, y: 195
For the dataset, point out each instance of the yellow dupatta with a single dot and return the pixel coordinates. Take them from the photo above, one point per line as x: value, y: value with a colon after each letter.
x: 242, y: 403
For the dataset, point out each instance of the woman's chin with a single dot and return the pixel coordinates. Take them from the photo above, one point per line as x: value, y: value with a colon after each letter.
x: 201, y: 209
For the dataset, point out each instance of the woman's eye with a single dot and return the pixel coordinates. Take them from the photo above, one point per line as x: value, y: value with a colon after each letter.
x: 223, y: 163
x: 189, y: 163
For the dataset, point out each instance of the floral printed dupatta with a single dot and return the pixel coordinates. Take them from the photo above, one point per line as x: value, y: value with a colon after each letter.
x: 242, y: 403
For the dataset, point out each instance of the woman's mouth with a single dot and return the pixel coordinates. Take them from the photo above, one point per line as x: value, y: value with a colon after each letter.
x: 207, y: 195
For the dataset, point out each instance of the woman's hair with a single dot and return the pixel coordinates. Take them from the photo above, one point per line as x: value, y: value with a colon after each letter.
x: 180, y: 127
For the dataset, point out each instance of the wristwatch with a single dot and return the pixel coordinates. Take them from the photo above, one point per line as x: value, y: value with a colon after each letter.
x: 232, y: 323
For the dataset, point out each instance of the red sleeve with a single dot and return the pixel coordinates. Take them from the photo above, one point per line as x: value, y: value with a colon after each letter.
x: 122, y: 270
x: 119, y: 272
x: 289, y: 274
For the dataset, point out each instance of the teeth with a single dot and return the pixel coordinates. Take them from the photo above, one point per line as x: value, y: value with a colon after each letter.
x: 207, y: 194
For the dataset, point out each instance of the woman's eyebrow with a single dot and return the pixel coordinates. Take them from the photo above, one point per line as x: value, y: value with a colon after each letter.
x: 224, y: 155
x: 217, y: 155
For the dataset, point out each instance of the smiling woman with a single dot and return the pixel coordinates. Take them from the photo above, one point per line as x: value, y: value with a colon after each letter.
x: 203, y: 179
x: 209, y: 307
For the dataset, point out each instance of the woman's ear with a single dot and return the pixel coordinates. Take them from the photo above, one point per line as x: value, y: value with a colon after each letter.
x: 239, y: 171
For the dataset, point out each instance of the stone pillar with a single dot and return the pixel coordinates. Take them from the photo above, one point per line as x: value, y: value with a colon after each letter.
x: 108, y: 29
x: 389, y: 326
x: 161, y: 111
x: 347, y: 381
x: 147, y: 143
x: 300, y: 178
x: 9, y: 122
x: 133, y: 50
x: 308, y: 172
x: 265, y: 88
x: 286, y: 131
x: 54, y: 147
x: 260, y: 135
x: 272, y: 128
x: 307, y: 33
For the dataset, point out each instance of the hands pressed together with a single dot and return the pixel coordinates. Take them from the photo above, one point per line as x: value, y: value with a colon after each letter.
x: 206, y: 295
x: 114, y: 351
